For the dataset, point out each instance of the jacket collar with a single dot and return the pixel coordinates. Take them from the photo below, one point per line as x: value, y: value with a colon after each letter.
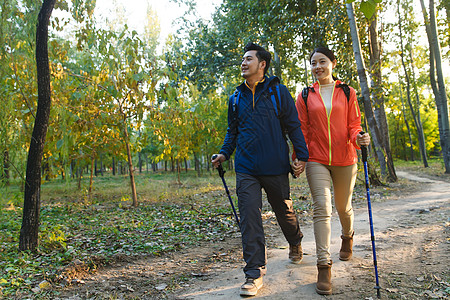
x: 262, y: 85
x: 316, y: 85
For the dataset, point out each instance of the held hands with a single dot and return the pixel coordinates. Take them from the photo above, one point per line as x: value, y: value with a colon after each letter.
x: 363, y: 139
x: 299, y: 167
x: 220, y: 158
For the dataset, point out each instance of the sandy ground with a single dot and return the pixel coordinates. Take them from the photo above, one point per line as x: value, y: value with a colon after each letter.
x: 412, y: 247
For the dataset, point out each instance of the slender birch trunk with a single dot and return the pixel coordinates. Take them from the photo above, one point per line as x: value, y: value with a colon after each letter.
x: 371, y: 121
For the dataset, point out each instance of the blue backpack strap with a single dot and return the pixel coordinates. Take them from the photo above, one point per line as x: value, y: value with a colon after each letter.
x: 274, y: 99
x: 277, y: 98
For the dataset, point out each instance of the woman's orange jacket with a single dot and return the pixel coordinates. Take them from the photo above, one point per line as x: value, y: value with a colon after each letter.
x: 331, y: 140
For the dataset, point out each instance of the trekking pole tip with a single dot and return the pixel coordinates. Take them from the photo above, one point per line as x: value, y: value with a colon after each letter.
x: 378, y: 288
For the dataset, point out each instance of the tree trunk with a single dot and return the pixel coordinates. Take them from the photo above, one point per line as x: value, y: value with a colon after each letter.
x: 420, y: 134
x: 306, y: 71
x: 101, y: 164
x: 445, y: 132
x: 376, y: 136
x: 407, y: 125
x: 113, y: 166
x: 5, y: 174
x: 438, y: 85
x: 140, y: 163
x: 178, y: 170
x: 130, y: 164
x: 28, y: 239
x: 197, y: 164
x: 72, y: 169
x: 378, y: 98
x: 80, y: 174
x: 416, y: 117
x: 91, y: 177
x: 276, y: 62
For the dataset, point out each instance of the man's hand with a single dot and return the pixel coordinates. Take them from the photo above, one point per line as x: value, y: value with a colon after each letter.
x: 220, y: 158
x: 299, y: 167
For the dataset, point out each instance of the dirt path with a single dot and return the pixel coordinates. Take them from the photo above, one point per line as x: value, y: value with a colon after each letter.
x: 412, y: 244
x: 412, y: 252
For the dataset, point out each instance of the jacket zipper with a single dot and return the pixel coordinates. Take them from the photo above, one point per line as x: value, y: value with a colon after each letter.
x: 254, y: 90
x: 328, y: 120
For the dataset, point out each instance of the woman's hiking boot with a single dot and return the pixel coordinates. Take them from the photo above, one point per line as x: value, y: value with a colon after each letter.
x: 346, y: 251
x: 323, y: 286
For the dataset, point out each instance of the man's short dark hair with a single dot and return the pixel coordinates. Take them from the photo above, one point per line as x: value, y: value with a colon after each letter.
x: 261, y: 54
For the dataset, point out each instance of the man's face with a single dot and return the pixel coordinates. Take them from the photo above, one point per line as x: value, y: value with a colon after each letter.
x: 250, y: 65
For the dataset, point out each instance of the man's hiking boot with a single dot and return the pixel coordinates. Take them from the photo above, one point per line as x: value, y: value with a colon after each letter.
x: 296, y: 253
x: 346, y: 251
x: 323, y: 286
x: 251, y: 286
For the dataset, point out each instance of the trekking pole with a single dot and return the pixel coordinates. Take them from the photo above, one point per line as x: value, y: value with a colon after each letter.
x: 372, y: 235
x: 221, y: 173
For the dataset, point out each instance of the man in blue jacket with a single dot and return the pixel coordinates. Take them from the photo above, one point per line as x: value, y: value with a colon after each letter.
x: 256, y: 126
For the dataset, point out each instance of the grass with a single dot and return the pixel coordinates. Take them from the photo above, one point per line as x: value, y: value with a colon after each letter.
x: 97, y: 228
x: 82, y: 232
x: 435, y: 167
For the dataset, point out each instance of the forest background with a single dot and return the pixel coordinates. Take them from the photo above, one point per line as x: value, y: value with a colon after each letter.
x: 125, y: 102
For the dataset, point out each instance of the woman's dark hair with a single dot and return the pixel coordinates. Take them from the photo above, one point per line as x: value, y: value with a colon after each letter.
x: 261, y: 54
x: 325, y: 51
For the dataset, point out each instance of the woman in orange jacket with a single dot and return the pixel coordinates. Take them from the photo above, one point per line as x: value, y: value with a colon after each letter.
x: 331, y: 125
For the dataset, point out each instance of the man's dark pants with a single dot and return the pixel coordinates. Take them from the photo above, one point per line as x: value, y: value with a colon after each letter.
x: 249, y: 191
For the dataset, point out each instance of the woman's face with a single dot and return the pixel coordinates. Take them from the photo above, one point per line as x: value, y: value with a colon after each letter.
x: 322, y: 67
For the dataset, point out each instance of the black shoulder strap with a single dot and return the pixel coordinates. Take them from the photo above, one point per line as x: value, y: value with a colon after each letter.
x: 234, y: 106
x: 346, y: 90
x: 235, y: 100
x: 305, y: 93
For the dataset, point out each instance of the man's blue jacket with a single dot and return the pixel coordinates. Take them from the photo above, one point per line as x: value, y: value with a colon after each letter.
x: 256, y: 134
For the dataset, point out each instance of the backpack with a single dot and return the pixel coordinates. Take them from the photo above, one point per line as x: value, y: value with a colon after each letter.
x: 274, y: 92
x: 343, y: 86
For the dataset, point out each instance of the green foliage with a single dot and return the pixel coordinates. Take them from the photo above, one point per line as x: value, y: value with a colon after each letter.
x: 368, y: 7
x: 107, y: 78
x: 88, y: 233
x: 416, y: 60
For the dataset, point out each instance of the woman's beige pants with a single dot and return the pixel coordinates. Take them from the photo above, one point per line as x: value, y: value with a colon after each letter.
x: 320, y: 178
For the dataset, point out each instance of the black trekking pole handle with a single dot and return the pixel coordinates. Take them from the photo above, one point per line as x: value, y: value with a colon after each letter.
x: 363, y: 150
x: 219, y: 168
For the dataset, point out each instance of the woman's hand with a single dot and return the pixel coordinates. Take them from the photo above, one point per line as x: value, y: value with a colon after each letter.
x: 363, y: 139
x: 298, y: 167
